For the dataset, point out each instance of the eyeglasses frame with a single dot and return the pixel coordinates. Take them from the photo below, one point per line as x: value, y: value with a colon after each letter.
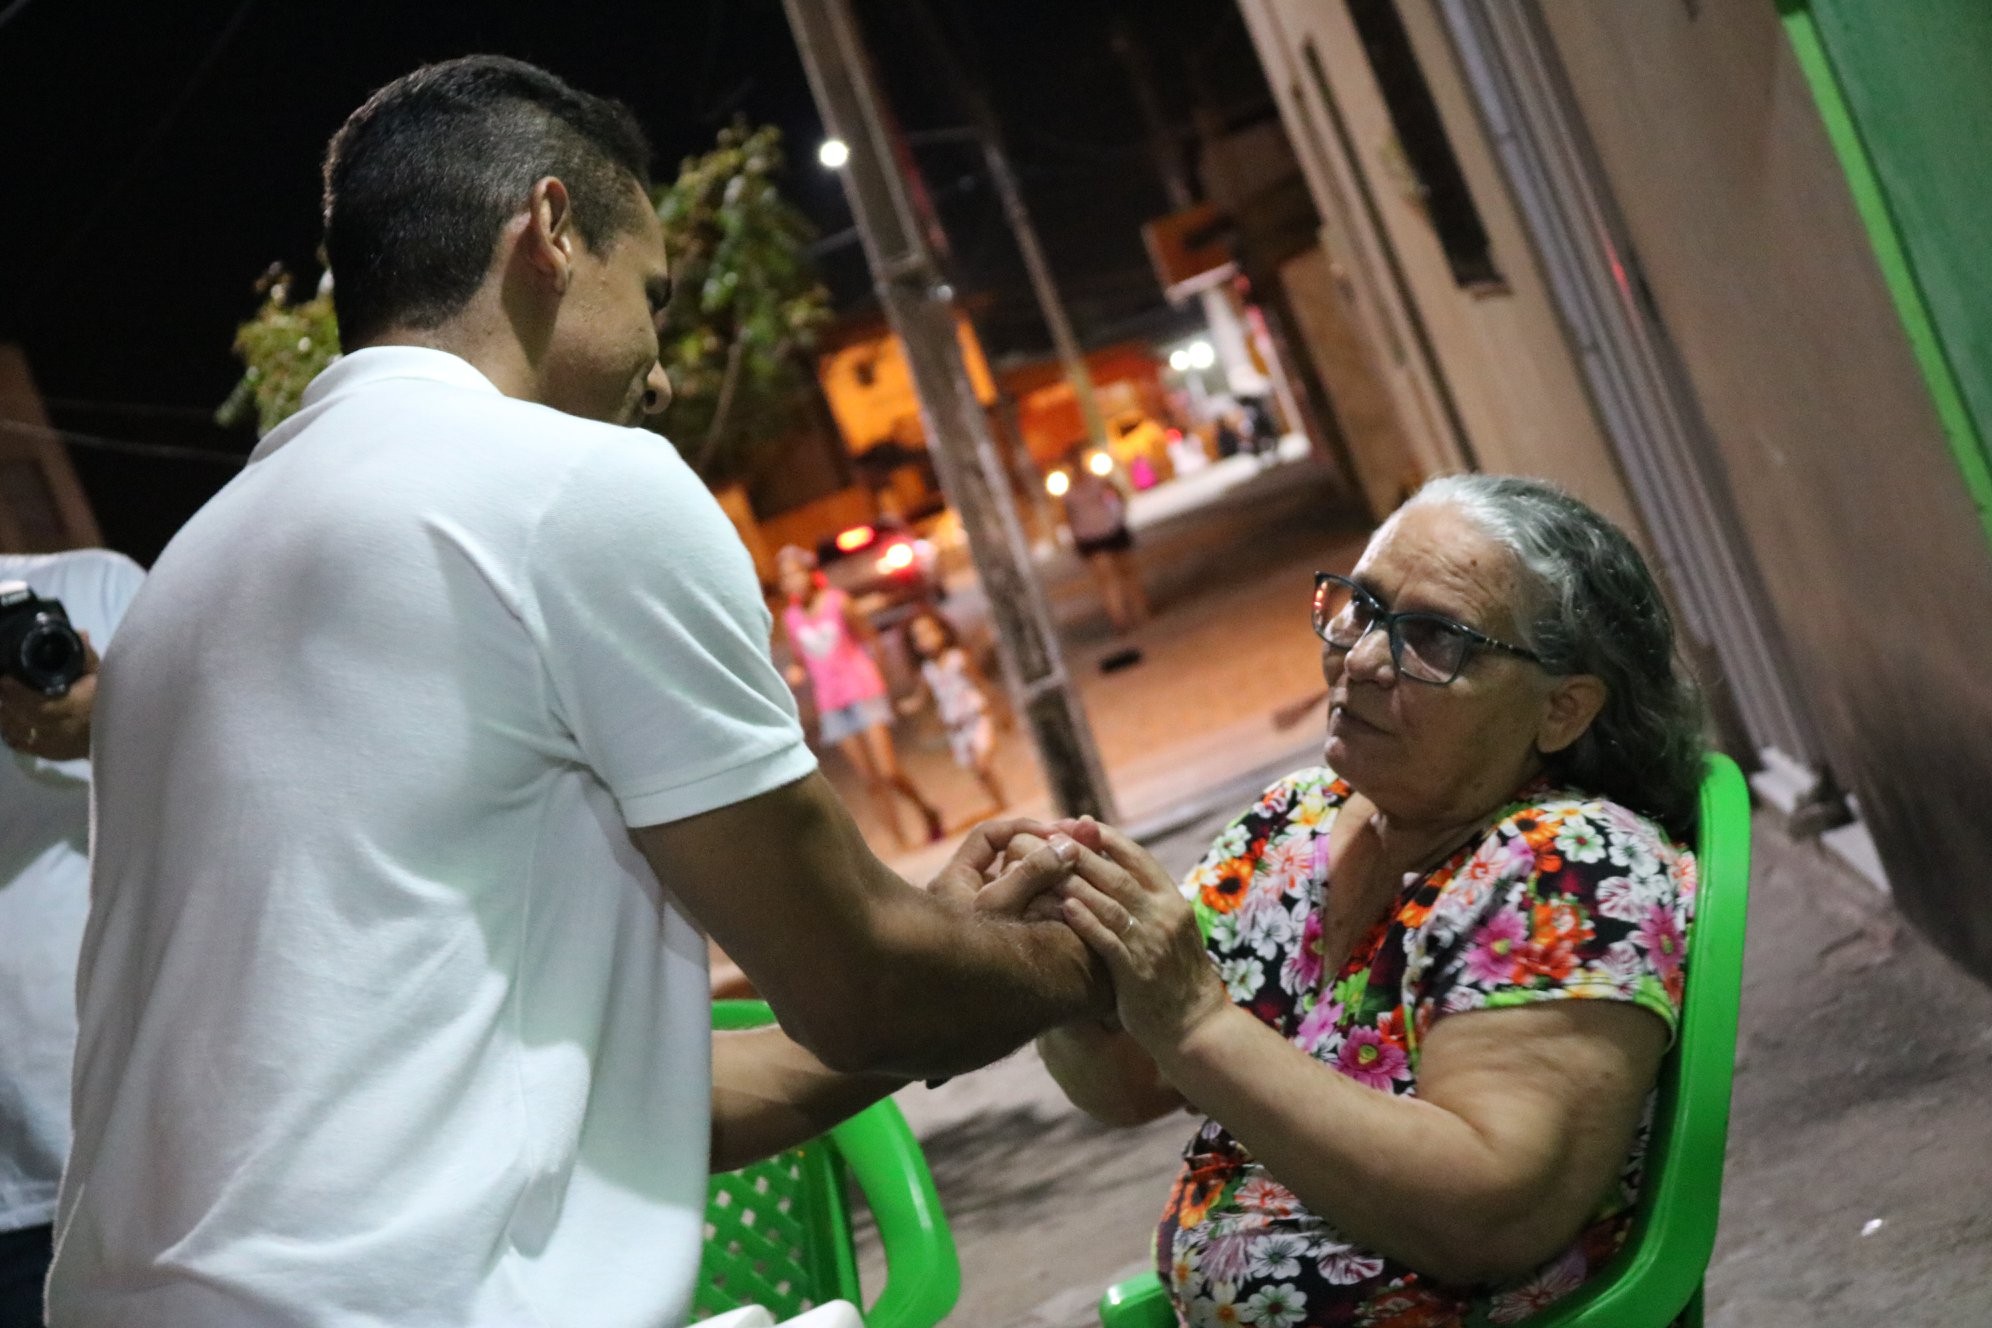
x: 1388, y: 620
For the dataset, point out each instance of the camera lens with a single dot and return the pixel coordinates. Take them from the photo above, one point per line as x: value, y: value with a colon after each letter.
x: 51, y: 656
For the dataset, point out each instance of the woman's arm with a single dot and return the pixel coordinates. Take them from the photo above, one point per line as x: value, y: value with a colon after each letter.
x: 1521, y: 1123
x: 1106, y: 1074
x: 780, y: 645
x: 976, y: 677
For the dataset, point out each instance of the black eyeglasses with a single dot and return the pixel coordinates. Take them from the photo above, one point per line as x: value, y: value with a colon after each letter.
x: 1425, y: 647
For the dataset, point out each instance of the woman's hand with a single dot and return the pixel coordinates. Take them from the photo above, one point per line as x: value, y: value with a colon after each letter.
x: 1127, y: 909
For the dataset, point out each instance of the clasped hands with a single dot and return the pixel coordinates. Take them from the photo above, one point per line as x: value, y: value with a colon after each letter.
x: 1114, y: 897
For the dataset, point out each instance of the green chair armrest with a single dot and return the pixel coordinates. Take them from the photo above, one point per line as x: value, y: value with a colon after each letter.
x: 1140, y: 1302
x: 922, y: 1268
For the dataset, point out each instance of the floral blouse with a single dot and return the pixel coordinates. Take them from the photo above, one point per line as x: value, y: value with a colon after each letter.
x: 1565, y: 897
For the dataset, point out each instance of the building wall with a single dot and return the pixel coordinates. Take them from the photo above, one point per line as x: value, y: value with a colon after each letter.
x: 1366, y: 290
x: 42, y: 506
x: 1126, y: 379
x: 1868, y: 544
x: 1918, y: 80
x: 1498, y: 351
x: 1387, y: 468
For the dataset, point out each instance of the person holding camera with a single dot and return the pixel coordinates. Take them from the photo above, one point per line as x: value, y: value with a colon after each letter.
x: 54, y: 610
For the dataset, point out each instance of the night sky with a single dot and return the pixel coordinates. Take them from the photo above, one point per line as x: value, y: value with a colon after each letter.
x: 157, y: 158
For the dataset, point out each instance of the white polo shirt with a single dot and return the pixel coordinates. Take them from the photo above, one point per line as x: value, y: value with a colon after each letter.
x: 385, y: 1021
x: 44, y: 896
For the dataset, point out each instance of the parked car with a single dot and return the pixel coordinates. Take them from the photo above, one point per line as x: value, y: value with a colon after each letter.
x: 886, y: 567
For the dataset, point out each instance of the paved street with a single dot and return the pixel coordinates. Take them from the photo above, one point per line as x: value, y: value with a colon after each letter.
x: 1860, y: 1148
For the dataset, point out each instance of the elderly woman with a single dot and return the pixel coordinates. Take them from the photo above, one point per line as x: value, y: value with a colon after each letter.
x: 1420, y: 994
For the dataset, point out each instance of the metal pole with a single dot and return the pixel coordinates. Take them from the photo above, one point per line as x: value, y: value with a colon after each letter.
x: 989, y: 134
x: 920, y: 306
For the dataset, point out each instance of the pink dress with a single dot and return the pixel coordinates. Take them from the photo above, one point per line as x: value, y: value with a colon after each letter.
x: 841, y: 670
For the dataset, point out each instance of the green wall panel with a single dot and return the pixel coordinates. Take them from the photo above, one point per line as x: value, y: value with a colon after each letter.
x: 1905, y: 87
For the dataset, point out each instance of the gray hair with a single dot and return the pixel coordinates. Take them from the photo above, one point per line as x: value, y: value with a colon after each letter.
x: 1596, y: 609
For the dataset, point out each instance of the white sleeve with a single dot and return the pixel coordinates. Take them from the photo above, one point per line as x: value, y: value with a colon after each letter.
x: 118, y: 581
x: 650, y: 623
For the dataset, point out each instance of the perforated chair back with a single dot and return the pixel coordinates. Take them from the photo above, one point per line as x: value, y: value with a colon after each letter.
x: 778, y: 1233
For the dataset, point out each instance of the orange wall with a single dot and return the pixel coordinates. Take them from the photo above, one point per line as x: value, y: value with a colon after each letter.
x: 1125, y: 378
x: 871, y: 393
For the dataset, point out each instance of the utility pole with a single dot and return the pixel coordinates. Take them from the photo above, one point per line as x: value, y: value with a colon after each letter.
x: 989, y: 136
x: 920, y: 306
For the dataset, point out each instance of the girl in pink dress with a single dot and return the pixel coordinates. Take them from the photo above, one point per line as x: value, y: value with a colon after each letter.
x: 832, y: 643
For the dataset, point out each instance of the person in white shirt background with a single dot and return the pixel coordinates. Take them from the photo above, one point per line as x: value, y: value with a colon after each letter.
x: 44, y: 897
x: 432, y: 746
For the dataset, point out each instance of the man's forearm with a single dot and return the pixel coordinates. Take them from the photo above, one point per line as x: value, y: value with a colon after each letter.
x: 955, y: 990
x: 868, y: 973
x: 770, y: 1094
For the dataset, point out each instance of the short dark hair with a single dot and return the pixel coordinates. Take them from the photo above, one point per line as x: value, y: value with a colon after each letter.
x: 950, y: 638
x: 420, y: 181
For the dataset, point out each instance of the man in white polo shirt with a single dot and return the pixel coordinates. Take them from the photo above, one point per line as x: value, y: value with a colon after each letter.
x: 427, y: 751
x: 44, y: 896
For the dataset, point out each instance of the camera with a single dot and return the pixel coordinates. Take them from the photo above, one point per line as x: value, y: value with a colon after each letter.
x: 37, y: 644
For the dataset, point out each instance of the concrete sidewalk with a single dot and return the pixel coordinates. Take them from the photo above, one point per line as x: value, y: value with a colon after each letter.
x: 1859, y: 1183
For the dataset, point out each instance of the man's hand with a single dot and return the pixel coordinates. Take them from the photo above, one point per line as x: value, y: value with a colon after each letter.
x: 55, y: 728
x: 1003, y: 865
x: 1044, y: 903
x: 1125, y: 906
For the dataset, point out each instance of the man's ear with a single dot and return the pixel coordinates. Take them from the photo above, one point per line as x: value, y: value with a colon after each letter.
x: 1574, y: 702
x: 549, y: 241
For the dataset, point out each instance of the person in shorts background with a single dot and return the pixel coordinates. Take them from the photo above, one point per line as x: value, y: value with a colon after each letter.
x: 833, y: 644
x: 1096, y: 514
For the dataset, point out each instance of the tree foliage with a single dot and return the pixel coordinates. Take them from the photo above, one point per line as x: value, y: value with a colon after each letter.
x: 283, y: 347
x: 745, y: 303
x: 745, y: 307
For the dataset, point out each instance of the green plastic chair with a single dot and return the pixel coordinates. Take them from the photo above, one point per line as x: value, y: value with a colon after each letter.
x: 778, y: 1233
x: 1656, y: 1280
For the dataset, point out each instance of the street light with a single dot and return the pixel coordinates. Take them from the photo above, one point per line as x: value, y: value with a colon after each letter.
x: 1057, y: 483
x: 1101, y: 464
x: 1179, y: 360
x: 833, y: 153
x: 1200, y: 355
